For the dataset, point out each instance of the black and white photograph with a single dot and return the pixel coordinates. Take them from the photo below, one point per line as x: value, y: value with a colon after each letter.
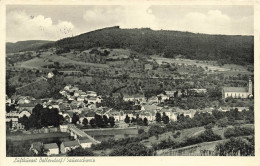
x: 129, y: 80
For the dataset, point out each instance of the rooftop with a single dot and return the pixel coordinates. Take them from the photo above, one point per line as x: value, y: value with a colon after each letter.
x: 50, y: 146
x: 235, y: 89
x: 71, y: 143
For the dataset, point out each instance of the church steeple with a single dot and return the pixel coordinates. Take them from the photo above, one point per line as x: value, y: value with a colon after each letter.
x: 250, y: 87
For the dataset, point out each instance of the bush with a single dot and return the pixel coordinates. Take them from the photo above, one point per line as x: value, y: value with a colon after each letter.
x: 236, y: 147
x: 132, y: 149
x: 238, y: 131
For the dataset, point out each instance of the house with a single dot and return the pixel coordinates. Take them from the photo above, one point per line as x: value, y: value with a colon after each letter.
x: 50, y: 75
x: 91, y: 93
x: 67, y: 87
x: 90, y: 115
x: 63, y: 128
x: 51, y: 149
x: 24, y: 112
x: 73, y: 89
x: 166, y: 111
x: 80, y: 99
x: 162, y: 97
x: 85, y: 143
x: 134, y: 98
x: 69, y: 145
x: 116, y: 115
x: 153, y: 99
x: 92, y: 99
x: 147, y: 115
x: 173, y: 116
x: 29, y: 107
x: 238, y: 92
x: 189, y: 113
x: 149, y: 107
x: 36, y: 147
x: 240, y: 109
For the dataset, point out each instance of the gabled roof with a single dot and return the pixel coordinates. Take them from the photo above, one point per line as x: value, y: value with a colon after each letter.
x: 27, y: 105
x: 71, y: 143
x: 90, y: 114
x: 150, y: 107
x: 50, y: 146
x: 84, y: 140
x: 37, y: 146
x: 235, y: 89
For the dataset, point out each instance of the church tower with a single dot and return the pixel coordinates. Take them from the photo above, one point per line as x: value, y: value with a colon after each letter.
x: 250, y: 87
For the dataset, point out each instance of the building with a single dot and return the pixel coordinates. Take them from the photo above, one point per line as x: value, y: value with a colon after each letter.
x: 36, y: 147
x: 50, y: 75
x: 238, y: 92
x: 69, y: 145
x: 85, y: 143
x: 51, y: 149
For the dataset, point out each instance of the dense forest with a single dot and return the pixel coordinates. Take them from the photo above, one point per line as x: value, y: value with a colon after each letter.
x: 30, y: 45
x: 223, y: 48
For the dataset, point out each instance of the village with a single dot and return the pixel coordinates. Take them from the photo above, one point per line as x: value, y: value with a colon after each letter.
x: 79, y: 108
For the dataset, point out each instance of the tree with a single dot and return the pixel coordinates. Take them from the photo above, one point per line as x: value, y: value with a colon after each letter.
x: 132, y: 149
x: 145, y: 121
x: 92, y: 122
x: 99, y: 120
x: 158, y: 117
x: 80, y: 152
x: 75, y: 118
x: 209, y: 126
x: 236, y: 147
x: 111, y: 121
x: 11, y: 124
x: 165, y: 118
x: 127, y: 119
x: 105, y: 120
x: 160, y: 99
x: 24, y: 121
x: 85, y: 122
x: 222, y: 122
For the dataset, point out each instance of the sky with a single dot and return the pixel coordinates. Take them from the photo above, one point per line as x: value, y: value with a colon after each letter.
x: 34, y: 22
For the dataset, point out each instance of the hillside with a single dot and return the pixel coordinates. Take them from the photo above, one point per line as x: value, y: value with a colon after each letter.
x: 223, y: 48
x: 25, y: 45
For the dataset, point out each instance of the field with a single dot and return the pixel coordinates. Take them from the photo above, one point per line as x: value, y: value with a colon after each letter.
x: 210, y: 65
x: 47, y: 59
x: 24, y: 137
x: 111, y: 131
x: 105, y: 134
x: 193, y: 150
x: 184, y: 134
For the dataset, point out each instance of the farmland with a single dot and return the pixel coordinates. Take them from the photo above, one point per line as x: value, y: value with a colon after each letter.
x: 208, y: 65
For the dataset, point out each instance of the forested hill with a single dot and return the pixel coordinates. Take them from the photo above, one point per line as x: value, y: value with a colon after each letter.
x: 223, y: 48
x: 28, y: 45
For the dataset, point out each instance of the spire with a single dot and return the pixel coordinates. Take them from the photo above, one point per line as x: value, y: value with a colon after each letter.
x: 250, y: 87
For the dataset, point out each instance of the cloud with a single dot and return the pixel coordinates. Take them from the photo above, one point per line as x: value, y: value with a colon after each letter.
x: 212, y: 22
x: 22, y: 26
x: 124, y: 16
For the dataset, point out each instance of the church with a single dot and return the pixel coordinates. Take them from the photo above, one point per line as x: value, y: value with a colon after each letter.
x: 238, y: 92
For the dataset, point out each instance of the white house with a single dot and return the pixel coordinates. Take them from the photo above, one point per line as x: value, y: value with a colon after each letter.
x: 50, y: 75
x: 24, y: 112
x: 85, y: 143
x: 69, y: 145
x: 51, y: 149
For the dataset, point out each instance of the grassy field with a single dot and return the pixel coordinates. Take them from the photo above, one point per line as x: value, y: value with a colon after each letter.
x: 186, y: 133
x: 46, y: 59
x: 193, y: 150
x: 211, y: 65
x: 24, y: 137
x: 111, y: 132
